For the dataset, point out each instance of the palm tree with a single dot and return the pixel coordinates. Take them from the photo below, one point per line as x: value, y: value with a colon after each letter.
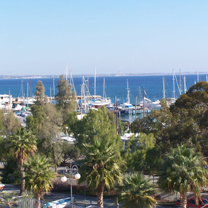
x: 101, y: 166
x: 38, y: 176
x: 183, y: 171
x: 135, y: 191
x: 22, y: 143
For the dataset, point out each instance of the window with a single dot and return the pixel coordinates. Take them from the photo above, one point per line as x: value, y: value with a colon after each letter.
x: 192, y: 201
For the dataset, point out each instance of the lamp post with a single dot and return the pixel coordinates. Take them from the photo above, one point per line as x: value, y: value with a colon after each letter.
x: 117, y: 204
x: 66, y: 130
x: 73, y: 171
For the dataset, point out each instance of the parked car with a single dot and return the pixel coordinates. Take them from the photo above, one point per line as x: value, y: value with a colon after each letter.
x: 191, y: 203
x: 1, y: 187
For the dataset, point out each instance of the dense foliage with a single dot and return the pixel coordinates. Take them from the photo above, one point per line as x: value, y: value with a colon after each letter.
x: 171, y: 142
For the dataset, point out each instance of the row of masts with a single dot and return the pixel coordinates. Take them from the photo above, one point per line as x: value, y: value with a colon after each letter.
x: 179, y: 85
x: 29, y: 89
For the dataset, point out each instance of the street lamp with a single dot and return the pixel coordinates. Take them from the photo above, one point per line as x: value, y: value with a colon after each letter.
x: 66, y: 130
x: 73, y: 171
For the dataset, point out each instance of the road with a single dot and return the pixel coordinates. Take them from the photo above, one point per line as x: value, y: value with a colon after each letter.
x: 87, y: 200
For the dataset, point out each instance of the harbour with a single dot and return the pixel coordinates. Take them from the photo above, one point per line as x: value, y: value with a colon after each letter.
x: 125, y: 95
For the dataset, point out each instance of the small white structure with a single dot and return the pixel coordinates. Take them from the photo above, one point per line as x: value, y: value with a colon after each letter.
x: 67, y: 138
x: 125, y: 138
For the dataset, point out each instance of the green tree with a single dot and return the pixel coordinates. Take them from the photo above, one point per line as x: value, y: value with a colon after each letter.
x: 135, y: 191
x: 21, y: 144
x: 46, y: 124
x: 194, y: 106
x: 66, y: 99
x: 96, y: 123
x: 10, y: 173
x: 71, y: 122
x: 136, y: 150
x: 58, y: 153
x: 38, y: 175
x: 11, y: 123
x: 183, y: 171
x: 156, y: 122
x: 70, y: 151
x: 34, y: 122
x: 40, y: 93
x: 101, y: 166
x: 153, y: 160
x: 2, y: 126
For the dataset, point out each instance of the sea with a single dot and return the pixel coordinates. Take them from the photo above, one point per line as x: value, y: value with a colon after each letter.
x: 115, y: 87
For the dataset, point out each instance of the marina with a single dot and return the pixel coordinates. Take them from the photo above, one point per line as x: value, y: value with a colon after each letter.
x: 120, y: 94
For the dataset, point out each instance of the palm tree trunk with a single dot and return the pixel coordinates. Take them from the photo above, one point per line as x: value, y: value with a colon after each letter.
x: 22, y: 189
x: 183, y: 199
x: 21, y: 168
x: 100, y: 191
x: 196, y: 198
x: 38, y: 200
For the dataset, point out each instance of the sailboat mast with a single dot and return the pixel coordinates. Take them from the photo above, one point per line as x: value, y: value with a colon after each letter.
x: 128, y: 97
x: 103, y: 87
x: 174, y: 85
x: 50, y: 94
x: 22, y: 88
x: 27, y: 93
x: 164, y: 87
x: 53, y: 87
x: 95, y: 83
x: 143, y: 103
x: 30, y: 89
x: 184, y: 81
x: 197, y: 76
x: 66, y: 71
x: 180, y: 82
x: 139, y: 96
x: 135, y: 106
x: 70, y: 81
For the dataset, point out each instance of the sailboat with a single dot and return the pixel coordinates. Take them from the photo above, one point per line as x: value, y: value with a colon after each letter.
x: 126, y: 107
x: 98, y: 102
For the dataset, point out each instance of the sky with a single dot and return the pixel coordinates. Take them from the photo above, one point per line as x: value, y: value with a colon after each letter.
x: 115, y: 36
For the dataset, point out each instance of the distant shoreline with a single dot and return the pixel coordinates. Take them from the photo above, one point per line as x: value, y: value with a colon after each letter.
x: 92, y: 75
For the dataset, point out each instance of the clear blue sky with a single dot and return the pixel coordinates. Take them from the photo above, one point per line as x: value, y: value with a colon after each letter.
x: 136, y: 36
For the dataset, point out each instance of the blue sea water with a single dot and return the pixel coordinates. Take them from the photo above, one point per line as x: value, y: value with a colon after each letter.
x: 115, y: 87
